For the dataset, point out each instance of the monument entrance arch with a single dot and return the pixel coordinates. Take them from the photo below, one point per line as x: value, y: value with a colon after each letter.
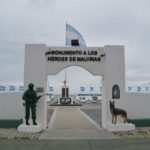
x: 107, y: 61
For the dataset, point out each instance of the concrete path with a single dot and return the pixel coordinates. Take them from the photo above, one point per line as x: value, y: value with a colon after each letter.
x: 72, y: 123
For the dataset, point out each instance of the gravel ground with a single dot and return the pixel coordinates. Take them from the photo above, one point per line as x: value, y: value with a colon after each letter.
x: 12, y: 133
x: 143, y: 132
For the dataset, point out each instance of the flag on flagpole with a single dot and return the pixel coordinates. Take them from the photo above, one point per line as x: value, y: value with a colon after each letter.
x: 21, y: 88
x: 91, y: 89
x: 146, y: 88
x: 11, y: 88
x: 72, y: 35
x: 51, y: 89
x: 82, y: 89
x: 2, y: 88
x: 129, y: 88
x: 138, y: 89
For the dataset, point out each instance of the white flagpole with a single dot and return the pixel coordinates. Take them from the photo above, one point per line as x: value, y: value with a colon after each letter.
x: 66, y: 69
x: 66, y: 33
x: 65, y: 81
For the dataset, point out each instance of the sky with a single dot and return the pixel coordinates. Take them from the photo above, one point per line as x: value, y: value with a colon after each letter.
x: 101, y: 22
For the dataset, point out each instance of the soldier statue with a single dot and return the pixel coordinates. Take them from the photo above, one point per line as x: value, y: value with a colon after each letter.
x: 30, y: 98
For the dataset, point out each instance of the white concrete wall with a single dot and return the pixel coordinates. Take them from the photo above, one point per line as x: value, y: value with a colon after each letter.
x: 35, y: 72
x: 11, y: 106
x: 137, y: 105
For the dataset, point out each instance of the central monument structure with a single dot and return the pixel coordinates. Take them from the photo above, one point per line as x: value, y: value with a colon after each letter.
x: 65, y: 99
x: 108, y: 61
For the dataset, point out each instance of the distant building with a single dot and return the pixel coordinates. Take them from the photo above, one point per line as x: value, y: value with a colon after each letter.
x: 89, y: 98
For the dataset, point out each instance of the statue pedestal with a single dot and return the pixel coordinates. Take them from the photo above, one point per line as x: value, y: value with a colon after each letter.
x: 120, y: 127
x: 29, y: 128
x: 64, y: 97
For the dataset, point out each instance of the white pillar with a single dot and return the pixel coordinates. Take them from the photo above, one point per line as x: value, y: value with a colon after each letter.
x: 35, y: 72
x: 114, y: 73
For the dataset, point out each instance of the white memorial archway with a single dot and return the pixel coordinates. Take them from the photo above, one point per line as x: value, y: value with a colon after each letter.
x: 107, y: 61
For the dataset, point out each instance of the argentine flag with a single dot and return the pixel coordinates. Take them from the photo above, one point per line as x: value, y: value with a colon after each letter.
x: 73, y: 34
x: 51, y: 89
x: 82, y: 89
x: 91, y: 89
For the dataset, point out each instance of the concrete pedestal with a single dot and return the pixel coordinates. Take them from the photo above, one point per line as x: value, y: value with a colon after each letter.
x: 69, y: 97
x: 120, y: 127
x: 29, y: 128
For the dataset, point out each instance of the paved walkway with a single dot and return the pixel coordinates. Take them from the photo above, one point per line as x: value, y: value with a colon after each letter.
x: 72, y: 123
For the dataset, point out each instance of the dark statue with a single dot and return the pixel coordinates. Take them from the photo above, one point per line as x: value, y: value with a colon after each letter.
x: 30, y: 98
x: 117, y: 111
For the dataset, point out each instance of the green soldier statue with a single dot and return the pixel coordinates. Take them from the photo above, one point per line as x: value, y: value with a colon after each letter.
x: 30, y: 98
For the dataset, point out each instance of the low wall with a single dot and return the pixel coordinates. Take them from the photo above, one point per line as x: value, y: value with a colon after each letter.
x: 11, y: 106
x: 137, y: 105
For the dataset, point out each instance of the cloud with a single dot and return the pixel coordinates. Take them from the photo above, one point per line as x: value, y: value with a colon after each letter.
x: 101, y: 22
x: 39, y: 2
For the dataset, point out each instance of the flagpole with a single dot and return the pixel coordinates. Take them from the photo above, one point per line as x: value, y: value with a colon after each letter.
x: 65, y: 82
x: 66, y: 34
x: 66, y: 68
x: 47, y: 84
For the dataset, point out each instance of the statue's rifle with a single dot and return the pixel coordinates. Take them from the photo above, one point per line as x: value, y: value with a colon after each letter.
x: 37, y: 98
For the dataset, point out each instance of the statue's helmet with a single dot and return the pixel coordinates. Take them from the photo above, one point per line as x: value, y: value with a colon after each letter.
x: 31, y: 85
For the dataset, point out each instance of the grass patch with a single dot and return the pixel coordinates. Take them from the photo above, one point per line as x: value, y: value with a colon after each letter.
x: 141, y: 122
x: 10, y: 123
